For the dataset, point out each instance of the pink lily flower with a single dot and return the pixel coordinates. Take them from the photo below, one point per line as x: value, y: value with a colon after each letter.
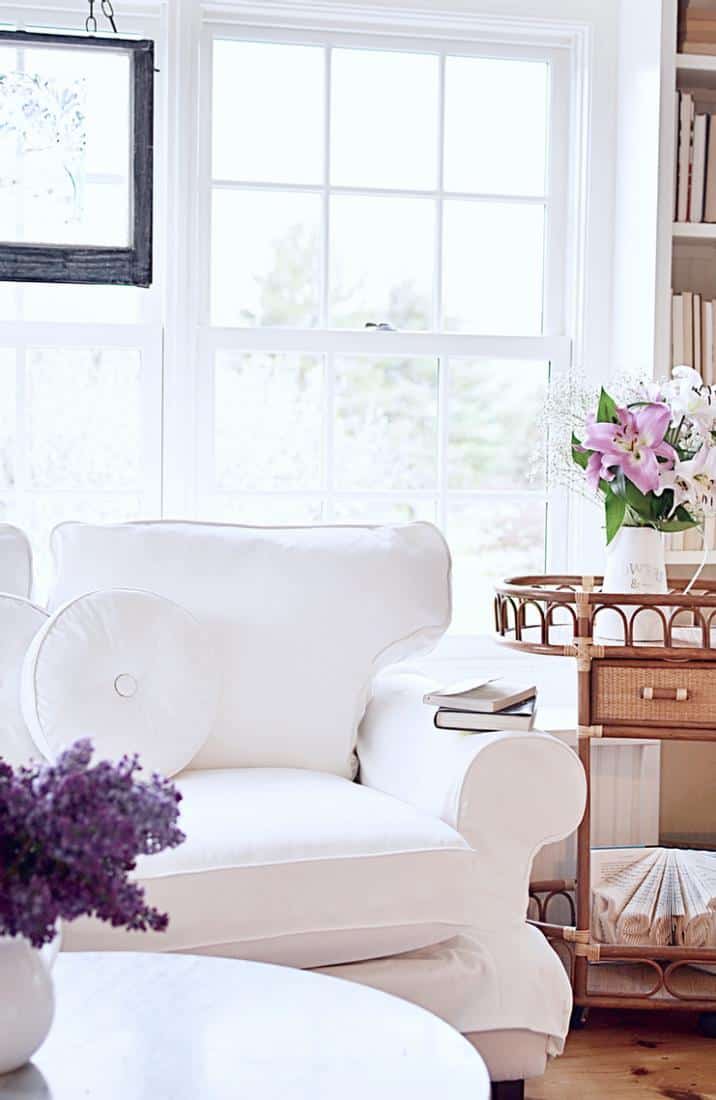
x: 633, y: 445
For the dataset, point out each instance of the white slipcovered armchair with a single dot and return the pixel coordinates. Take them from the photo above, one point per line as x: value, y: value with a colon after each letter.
x: 329, y: 825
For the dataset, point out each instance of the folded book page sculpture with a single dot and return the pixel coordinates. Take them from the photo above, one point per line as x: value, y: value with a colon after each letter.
x: 668, y: 896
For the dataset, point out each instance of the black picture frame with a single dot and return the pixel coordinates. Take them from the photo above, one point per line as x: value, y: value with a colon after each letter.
x: 130, y: 266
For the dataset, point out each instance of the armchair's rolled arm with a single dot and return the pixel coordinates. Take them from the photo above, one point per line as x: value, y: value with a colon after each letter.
x: 507, y: 794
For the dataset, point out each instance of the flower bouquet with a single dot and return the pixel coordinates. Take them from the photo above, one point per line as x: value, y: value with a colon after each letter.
x: 653, y: 460
x: 70, y: 834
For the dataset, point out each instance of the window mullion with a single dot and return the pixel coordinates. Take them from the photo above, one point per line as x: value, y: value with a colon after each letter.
x: 438, y: 257
x: 22, y: 465
x: 443, y: 429
x: 219, y: 183
x: 346, y: 341
x: 326, y: 198
x: 329, y: 406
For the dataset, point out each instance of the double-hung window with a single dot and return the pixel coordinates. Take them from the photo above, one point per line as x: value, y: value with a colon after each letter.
x: 385, y: 224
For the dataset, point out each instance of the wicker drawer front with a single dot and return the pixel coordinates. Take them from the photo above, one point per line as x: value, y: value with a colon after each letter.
x: 653, y: 693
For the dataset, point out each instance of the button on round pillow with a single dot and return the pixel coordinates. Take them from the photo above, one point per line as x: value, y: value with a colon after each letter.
x: 20, y: 621
x: 130, y: 670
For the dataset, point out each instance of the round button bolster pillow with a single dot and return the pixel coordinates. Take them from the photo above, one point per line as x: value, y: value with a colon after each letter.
x: 128, y: 669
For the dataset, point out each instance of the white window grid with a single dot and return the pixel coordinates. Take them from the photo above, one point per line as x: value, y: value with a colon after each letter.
x: 553, y: 200
x: 22, y: 338
x: 551, y: 347
x: 330, y: 345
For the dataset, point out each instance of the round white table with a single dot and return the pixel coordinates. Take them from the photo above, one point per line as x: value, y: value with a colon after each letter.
x: 184, y: 1027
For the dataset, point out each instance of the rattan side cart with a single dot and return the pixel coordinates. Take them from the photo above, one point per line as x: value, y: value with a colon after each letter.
x: 661, y: 689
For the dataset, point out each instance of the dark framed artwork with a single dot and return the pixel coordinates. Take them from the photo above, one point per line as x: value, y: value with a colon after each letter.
x: 76, y: 159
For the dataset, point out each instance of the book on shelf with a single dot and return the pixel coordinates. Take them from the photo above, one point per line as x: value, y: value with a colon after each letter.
x: 699, y: 37
x: 677, y: 330
x: 707, y: 341
x: 688, y: 328
x: 686, y: 115
x: 693, y: 333
x: 701, y: 40
x: 698, y: 170
x: 710, y: 194
x: 520, y: 716
x: 696, y: 31
x: 693, y: 539
x: 710, y: 532
x: 484, y: 696
x: 676, y: 156
x: 695, y: 156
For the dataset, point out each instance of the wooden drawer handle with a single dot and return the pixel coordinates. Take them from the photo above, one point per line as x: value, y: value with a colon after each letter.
x: 677, y: 695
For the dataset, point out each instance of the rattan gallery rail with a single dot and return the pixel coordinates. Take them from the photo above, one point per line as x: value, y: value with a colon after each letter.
x: 661, y: 689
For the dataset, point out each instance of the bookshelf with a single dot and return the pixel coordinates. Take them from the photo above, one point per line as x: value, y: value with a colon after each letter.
x: 693, y: 63
x: 694, y: 231
x: 685, y: 251
x: 649, y: 249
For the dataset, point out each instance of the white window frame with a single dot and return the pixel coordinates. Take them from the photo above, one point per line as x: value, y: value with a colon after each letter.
x: 144, y: 335
x: 554, y: 346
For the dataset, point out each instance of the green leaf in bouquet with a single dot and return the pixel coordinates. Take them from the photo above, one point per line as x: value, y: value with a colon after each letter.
x: 614, y: 510
x: 645, y: 506
x: 684, y: 514
x: 607, y: 408
x: 578, y: 455
x: 681, y: 520
x: 669, y: 526
x: 664, y: 505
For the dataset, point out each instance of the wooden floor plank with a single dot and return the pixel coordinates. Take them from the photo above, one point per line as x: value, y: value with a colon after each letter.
x: 632, y: 1056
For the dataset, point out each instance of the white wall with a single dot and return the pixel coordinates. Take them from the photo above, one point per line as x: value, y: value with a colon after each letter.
x: 636, y: 186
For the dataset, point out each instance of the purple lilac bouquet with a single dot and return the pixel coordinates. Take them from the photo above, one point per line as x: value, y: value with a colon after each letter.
x: 70, y: 833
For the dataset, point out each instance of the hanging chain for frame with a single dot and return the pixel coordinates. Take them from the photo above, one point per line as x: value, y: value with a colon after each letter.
x: 107, y: 11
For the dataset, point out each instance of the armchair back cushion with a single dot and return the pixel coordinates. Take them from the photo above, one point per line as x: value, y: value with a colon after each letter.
x: 300, y: 619
x: 15, y: 561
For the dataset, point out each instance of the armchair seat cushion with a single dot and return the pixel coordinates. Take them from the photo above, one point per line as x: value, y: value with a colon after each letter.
x: 302, y: 868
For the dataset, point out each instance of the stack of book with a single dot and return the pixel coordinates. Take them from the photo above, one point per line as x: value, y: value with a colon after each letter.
x: 692, y: 334
x: 697, y: 26
x: 474, y: 706
x: 696, y: 159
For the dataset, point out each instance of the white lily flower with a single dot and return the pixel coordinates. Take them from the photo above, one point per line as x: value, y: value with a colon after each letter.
x: 693, y: 481
x: 688, y: 397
